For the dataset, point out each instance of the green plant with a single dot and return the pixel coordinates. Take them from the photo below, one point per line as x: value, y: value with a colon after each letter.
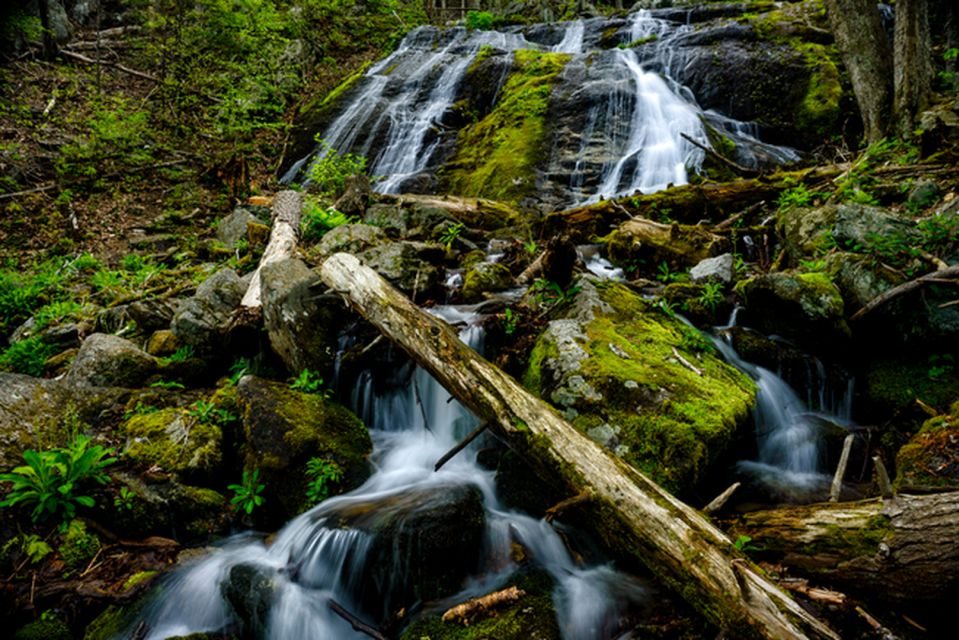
x: 246, y: 495
x: 742, y: 543
x: 531, y: 247
x: 667, y: 307
x: 182, y: 354
x: 549, y: 294
x: 482, y: 20
x: 321, y: 474
x: 330, y: 169
x: 166, y: 384
x: 711, y: 295
x: 310, y: 382
x: 665, y: 275
x: 27, y: 356
x: 510, y: 321
x: 451, y: 233
x: 798, y: 196
x: 139, y: 410
x: 941, y: 366
x: 51, y: 479
x: 812, y: 266
x: 124, y: 500
x: 202, y: 410
x: 35, y: 548
x: 78, y: 546
x: 239, y: 368
x: 318, y: 220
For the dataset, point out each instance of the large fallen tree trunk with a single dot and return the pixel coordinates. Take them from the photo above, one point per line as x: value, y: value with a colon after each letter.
x: 900, y: 550
x: 630, y: 511
x: 282, y: 244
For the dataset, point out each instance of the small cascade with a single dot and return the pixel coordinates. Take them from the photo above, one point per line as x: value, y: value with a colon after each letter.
x: 287, y: 586
x: 789, y: 431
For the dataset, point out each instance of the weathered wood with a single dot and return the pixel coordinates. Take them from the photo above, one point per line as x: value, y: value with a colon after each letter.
x: 109, y: 63
x: 630, y: 511
x: 901, y: 550
x: 949, y: 274
x: 483, y: 606
x: 836, y: 487
x: 719, y: 501
x: 282, y: 244
x: 462, y: 444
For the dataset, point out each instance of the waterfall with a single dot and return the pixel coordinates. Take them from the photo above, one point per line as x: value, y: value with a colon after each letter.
x: 635, y: 110
x: 413, y: 421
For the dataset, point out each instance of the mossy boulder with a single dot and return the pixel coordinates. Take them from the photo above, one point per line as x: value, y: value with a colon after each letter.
x: 283, y: 429
x: 931, y: 457
x: 412, y: 267
x: 804, y: 307
x: 409, y: 219
x: 351, y: 238
x: 641, y: 241
x: 704, y: 306
x: 200, y: 321
x: 176, y: 441
x: 106, y: 360
x: 610, y: 367
x: 532, y: 617
x: 483, y: 277
x: 46, y: 629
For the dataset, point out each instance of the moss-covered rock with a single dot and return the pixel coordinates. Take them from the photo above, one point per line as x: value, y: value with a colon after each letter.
x: 496, y: 156
x: 804, y: 307
x: 610, y: 367
x: 641, y: 241
x: 931, y: 458
x: 410, y: 266
x: 106, y: 360
x: 483, y: 277
x: 175, y: 441
x: 351, y: 238
x: 47, y: 629
x: 283, y: 429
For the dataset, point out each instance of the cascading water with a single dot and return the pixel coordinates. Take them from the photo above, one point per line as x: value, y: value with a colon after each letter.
x: 313, y: 560
x: 789, y: 430
x: 636, y: 110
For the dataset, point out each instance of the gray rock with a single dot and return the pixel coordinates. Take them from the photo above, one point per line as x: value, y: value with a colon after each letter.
x: 484, y: 277
x: 152, y: 314
x: 232, y: 228
x: 858, y: 224
x: 805, y: 231
x: 200, y: 320
x: 351, y: 238
x: 409, y: 266
x: 356, y: 195
x: 107, y: 360
x: 719, y: 268
x: 302, y: 323
x: 59, y: 21
x: 859, y: 278
x: 251, y: 591
x: 923, y: 194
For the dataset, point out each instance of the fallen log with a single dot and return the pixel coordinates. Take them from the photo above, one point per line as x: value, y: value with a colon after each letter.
x: 282, y: 243
x: 630, y: 511
x: 901, y: 550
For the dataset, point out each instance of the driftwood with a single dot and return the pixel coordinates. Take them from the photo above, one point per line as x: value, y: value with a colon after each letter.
x: 900, y: 550
x: 720, y: 501
x: 950, y: 274
x: 483, y: 607
x: 282, y: 244
x: 630, y: 511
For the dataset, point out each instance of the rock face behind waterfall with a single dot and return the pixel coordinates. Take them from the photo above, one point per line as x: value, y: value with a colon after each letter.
x: 568, y: 112
x: 610, y: 366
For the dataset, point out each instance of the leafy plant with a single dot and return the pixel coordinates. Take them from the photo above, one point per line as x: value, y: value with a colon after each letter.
x: 27, y: 356
x: 51, y: 479
x: 139, y: 410
x: 206, y: 412
x: 795, y: 197
x: 482, y: 20
x: 35, y: 548
x: 330, y: 169
x: 531, y: 247
x: 665, y: 275
x: 182, y: 354
x: 246, y: 495
x: 451, y: 233
x: 124, y: 499
x: 310, y: 382
x: 510, y: 321
x: 941, y: 366
x: 742, y: 543
x: 166, y: 384
x: 79, y: 546
x: 549, y: 294
x: 239, y: 368
x: 318, y: 220
x: 711, y: 295
x: 321, y: 474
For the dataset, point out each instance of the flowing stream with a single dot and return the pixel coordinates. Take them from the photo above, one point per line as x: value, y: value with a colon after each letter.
x: 413, y: 421
x: 632, y: 118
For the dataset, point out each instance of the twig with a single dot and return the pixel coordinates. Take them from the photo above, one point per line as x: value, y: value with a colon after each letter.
x: 723, y: 159
x: 941, y: 276
x: 730, y: 221
x: 686, y: 363
x: 91, y: 567
x: 836, y: 488
x: 462, y: 444
x: 928, y: 257
x: 717, y: 503
x: 116, y: 65
x: 356, y: 623
x: 45, y: 187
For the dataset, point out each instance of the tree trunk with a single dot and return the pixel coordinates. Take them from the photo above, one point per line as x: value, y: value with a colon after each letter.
x: 912, y: 79
x: 867, y: 56
x: 282, y: 244
x: 900, y: 550
x: 631, y: 512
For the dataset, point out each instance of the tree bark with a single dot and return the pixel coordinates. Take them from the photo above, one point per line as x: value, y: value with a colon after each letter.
x: 631, y: 512
x: 867, y: 56
x: 282, y: 244
x: 900, y: 550
x: 912, y: 77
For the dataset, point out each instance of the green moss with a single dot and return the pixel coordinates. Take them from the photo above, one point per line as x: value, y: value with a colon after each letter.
x: 138, y: 578
x: 483, y: 277
x: 496, y: 156
x: 50, y: 629
x: 820, y: 110
x: 337, y: 91
x: 173, y: 440
x: 931, y: 457
x: 79, y: 546
x: 532, y: 379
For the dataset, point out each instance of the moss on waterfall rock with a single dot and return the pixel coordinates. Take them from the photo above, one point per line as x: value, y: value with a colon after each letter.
x: 175, y: 441
x: 610, y: 366
x: 931, y: 458
x: 496, y: 156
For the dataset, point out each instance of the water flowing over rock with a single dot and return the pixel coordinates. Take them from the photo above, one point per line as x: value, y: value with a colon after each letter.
x: 465, y: 109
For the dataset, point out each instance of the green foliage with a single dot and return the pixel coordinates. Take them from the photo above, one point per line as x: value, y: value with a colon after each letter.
x: 510, y: 321
x: 329, y: 171
x: 451, y: 233
x: 124, y: 500
x: 639, y: 42
x: 711, y: 295
x: 246, y: 495
x: 20, y: 23
x: 51, y: 479
x: 27, y: 356
x: 139, y: 410
x: 239, y: 368
x: 549, y: 294
x: 949, y: 80
x: 665, y: 275
x: 798, y: 196
x: 32, y: 546
x: 208, y: 413
x: 78, y: 546
x: 167, y: 384
x: 182, y: 354
x: 310, y: 382
x: 482, y: 20
x: 318, y: 220
x: 321, y: 474
x: 742, y: 543
x: 941, y: 366
x: 57, y: 311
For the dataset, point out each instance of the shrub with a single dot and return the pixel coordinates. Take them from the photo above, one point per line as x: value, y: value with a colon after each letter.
x: 246, y: 495
x: 27, y: 356
x: 329, y: 171
x: 321, y: 474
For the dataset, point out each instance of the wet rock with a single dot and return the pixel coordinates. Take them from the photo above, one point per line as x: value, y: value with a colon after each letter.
x: 409, y: 266
x: 283, y: 429
x: 408, y: 220
x: 152, y: 314
x: 806, y: 308
x: 859, y: 278
x: 351, y: 238
x: 858, y: 224
x: 930, y: 460
x: 301, y: 322
x: 807, y: 231
x: 200, y: 320
x: 176, y: 441
x: 923, y: 194
x: 609, y: 367
x: 356, y: 196
x: 718, y: 269
x: 251, y: 591
x: 106, y: 360
x: 703, y: 306
x: 423, y: 544
x: 484, y: 277
x: 233, y: 228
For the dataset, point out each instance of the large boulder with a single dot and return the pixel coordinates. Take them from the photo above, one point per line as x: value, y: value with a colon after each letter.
x: 351, y: 238
x: 611, y: 367
x: 176, y: 440
x: 284, y: 429
x: 804, y: 307
x: 411, y: 267
x: 233, y: 228
x: 200, y: 321
x: 301, y: 322
x: 107, y: 360
x: 483, y: 277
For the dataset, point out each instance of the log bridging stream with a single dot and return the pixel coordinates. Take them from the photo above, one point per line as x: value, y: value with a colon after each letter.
x: 633, y: 513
